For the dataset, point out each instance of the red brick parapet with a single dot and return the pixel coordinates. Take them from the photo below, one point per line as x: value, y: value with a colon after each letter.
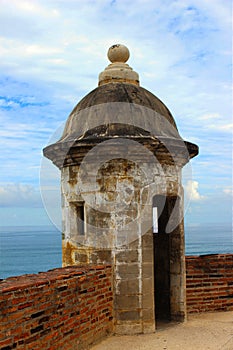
x: 72, y: 308
x: 209, y: 282
x: 69, y: 307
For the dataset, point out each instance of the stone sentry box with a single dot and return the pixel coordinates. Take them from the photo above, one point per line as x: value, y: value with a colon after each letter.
x: 121, y: 158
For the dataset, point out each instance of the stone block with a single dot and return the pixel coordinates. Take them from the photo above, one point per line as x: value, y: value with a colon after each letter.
x: 104, y: 256
x: 148, y: 300
x: 147, y: 270
x: 133, y: 315
x: 148, y: 327
x: 148, y: 284
x: 147, y: 255
x: 126, y: 302
x: 147, y: 241
x: 127, y: 270
x: 128, y: 328
x: 127, y: 286
x: 127, y: 256
x: 122, y: 240
x: 135, y: 243
x: 148, y: 314
x: 81, y: 258
x: 175, y: 267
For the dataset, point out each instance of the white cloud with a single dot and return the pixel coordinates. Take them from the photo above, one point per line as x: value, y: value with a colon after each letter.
x: 192, y: 190
x: 38, y: 50
x: 228, y: 190
x: 209, y: 116
x: 216, y: 122
x: 52, y: 52
x: 19, y: 195
x: 221, y: 127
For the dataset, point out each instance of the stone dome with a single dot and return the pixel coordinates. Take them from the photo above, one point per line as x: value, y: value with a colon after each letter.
x: 117, y: 108
x: 117, y: 99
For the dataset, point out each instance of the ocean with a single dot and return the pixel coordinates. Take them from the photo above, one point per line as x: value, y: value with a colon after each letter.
x: 208, y: 239
x: 32, y: 249
x: 29, y: 249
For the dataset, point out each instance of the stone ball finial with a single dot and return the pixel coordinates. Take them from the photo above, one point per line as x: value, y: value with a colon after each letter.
x: 118, y: 71
x: 118, y: 53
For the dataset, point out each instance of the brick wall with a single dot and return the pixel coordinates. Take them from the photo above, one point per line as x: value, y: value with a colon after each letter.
x: 209, y: 282
x: 72, y: 308
x: 65, y: 308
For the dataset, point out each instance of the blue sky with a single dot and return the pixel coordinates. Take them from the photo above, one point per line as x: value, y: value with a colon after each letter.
x: 51, y: 54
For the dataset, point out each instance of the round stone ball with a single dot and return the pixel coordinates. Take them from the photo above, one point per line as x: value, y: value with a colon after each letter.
x: 118, y: 53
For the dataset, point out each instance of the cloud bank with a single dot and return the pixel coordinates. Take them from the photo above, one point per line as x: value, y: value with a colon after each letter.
x: 51, y: 53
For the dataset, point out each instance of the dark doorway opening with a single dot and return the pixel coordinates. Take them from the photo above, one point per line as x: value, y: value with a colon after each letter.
x: 163, y: 207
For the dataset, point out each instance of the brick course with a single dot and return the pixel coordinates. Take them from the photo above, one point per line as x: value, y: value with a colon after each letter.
x: 209, y: 283
x: 72, y: 308
x: 65, y: 308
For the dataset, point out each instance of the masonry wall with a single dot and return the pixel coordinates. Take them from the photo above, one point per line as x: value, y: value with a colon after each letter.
x: 72, y: 308
x: 65, y: 308
x: 209, y: 283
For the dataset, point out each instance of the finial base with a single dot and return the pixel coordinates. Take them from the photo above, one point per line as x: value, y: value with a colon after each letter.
x: 118, y: 71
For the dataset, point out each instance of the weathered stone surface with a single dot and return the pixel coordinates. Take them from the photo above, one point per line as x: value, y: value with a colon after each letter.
x: 127, y: 256
x: 148, y: 300
x: 113, y: 208
x: 128, y: 315
x: 127, y: 286
x: 148, y: 269
x: 148, y: 314
x: 120, y: 155
x: 127, y: 270
x: 126, y: 302
x: 129, y: 327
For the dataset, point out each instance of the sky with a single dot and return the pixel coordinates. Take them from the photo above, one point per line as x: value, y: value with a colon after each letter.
x: 51, y: 53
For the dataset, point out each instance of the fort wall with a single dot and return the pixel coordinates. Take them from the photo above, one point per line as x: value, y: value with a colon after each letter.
x: 209, y: 283
x: 72, y: 308
x: 65, y: 308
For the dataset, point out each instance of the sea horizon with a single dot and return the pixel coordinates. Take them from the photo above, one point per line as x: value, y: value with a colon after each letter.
x: 32, y: 249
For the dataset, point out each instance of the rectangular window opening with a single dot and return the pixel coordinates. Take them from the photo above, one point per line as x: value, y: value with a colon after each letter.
x: 80, y: 217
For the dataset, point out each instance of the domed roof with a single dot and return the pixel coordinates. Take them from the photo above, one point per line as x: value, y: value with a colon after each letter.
x: 111, y: 104
x: 117, y: 108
